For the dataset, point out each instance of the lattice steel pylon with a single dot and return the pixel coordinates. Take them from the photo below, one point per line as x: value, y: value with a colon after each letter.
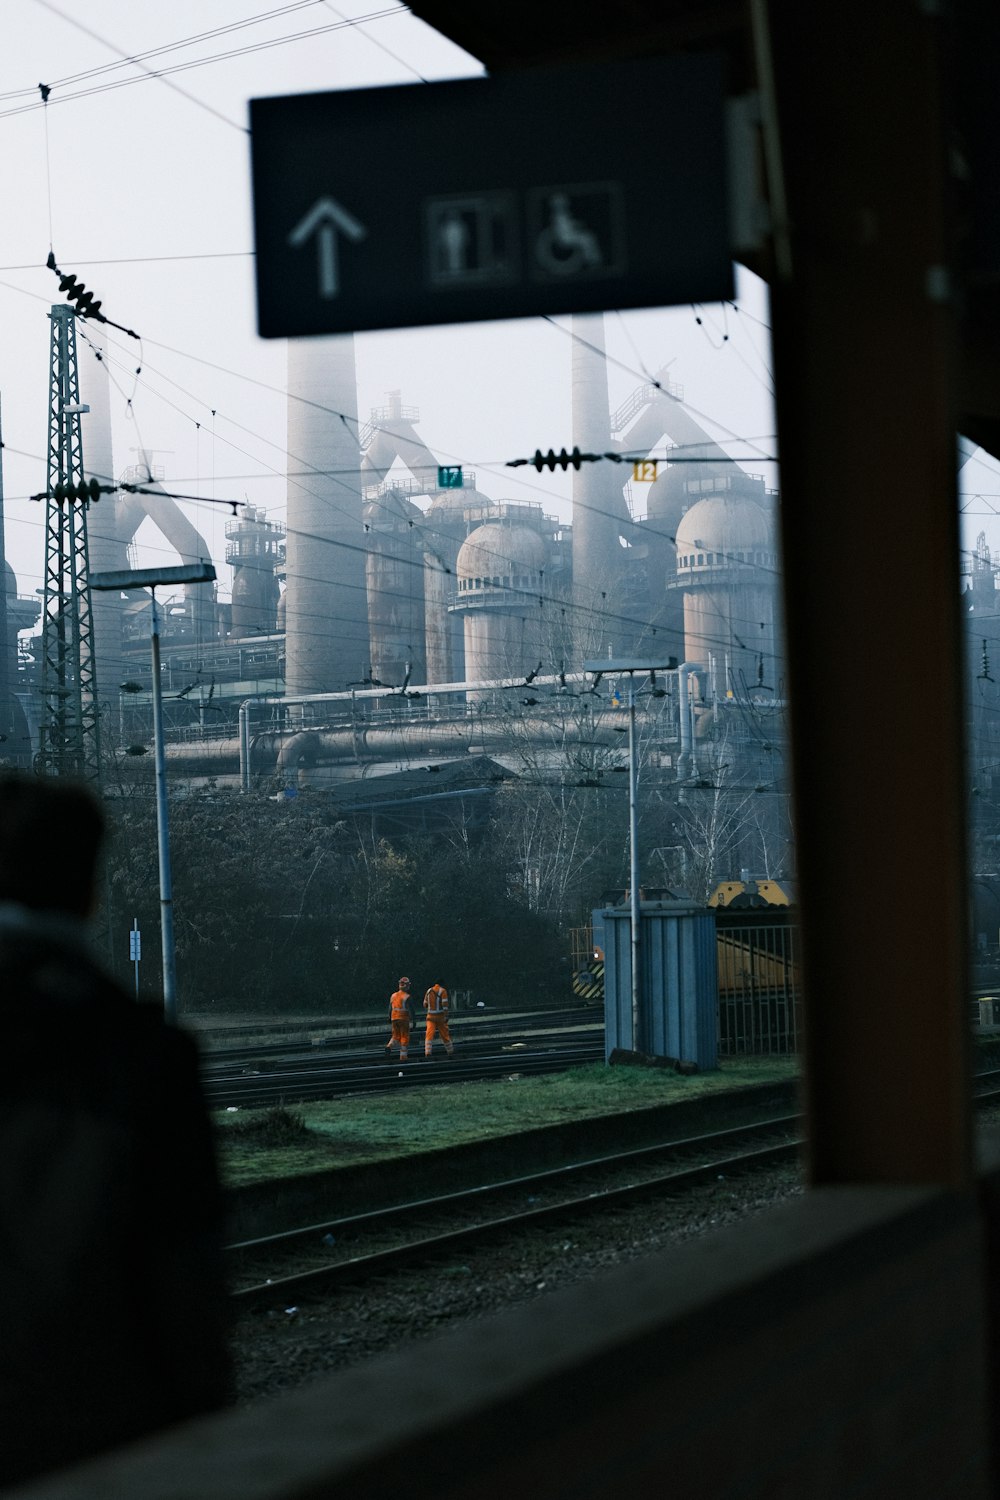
x: 70, y: 732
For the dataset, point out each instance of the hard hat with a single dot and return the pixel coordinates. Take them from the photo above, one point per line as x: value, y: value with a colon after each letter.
x: 404, y: 980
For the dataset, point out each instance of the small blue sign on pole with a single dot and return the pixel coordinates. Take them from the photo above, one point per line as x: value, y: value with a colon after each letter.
x: 450, y: 477
x: 135, y: 950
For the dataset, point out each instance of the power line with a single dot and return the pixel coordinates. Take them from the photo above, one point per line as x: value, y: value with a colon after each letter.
x: 72, y: 21
x: 380, y: 44
x: 727, y: 344
x: 351, y: 474
x: 162, y: 74
x: 332, y: 411
x: 138, y: 57
x: 534, y: 600
x: 138, y: 260
x: 563, y: 460
x: 596, y: 349
x: 596, y: 611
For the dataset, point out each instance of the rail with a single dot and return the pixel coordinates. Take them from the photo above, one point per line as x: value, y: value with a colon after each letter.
x: 354, y: 1248
x: 332, y: 1251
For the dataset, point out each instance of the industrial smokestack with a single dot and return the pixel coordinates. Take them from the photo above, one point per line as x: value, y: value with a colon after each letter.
x: 326, y: 620
x: 107, y: 543
x: 599, y: 511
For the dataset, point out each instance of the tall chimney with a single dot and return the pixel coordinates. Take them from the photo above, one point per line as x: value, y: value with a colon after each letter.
x: 107, y: 547
x: 326, y: 617
x: 599, y: 512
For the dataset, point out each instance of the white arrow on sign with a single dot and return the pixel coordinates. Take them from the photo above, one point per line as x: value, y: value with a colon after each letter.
x: 324, y: 219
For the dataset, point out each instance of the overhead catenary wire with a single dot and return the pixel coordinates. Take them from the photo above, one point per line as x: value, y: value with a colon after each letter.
x: 86, y: 307
x: 728, y: 434
x: 284, y: 8
x: 44, y: 90
x: 664, y: 390
x: 648, y: 528
x: 190, y: 41
x: 323, y: 407
x: 726, y: 343
x: 137, y: 260
x: 573, y: 459
x: 377, y: 42
x: 595, y: 611
x: 167, y: 47
x: 163, y: 74
x: 530, y: 600
x: 638, y: 357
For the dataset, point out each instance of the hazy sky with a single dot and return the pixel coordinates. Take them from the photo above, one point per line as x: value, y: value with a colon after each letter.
x: 143, y: 191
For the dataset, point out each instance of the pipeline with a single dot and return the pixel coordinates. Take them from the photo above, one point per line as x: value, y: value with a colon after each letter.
x: 686, y: 759
x: 285, y: 750
x: 282, y: 750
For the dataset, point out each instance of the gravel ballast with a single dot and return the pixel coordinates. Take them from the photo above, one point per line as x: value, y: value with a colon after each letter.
x: 281, y: 1348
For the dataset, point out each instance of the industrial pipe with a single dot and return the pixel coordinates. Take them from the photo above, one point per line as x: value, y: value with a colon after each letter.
x: 372, y: 742
x: 300, y: 749
x: 685, y: 710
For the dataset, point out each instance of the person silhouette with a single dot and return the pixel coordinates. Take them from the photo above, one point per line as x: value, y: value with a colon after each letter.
x: 112, y: 1299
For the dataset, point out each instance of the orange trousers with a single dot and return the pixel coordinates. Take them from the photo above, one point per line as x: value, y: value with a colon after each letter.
x: 437, y: 1026
x: 400, y: 1034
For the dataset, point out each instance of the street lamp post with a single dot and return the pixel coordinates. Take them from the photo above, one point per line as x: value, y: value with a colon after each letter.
x: 620, y: 666
x: 153, y: 578
x: 633, y: 855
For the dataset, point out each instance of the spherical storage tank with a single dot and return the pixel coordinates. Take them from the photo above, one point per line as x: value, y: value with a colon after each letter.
x: 450, y: 518
x: 666, y: 501
x: 500, y: 581
x: 727, y: 568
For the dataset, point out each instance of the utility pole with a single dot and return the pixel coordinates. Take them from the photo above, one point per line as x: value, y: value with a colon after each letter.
x: 154, y: 578
x: 70, y: 733
x: 650, y: 666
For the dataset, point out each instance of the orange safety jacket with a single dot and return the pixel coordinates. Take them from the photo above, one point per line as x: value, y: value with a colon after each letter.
x: 436, y: 1000
x: 400, y: 1005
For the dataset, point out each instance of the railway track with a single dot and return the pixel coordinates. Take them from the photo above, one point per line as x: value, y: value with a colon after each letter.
x: 986, y: 1088
x: 353, y: 1249
x: 265, y: 1078
x: 359, y: 1034
x: 281, y: 1268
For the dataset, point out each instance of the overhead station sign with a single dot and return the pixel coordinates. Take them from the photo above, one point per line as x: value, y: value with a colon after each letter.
x: 548, y: 191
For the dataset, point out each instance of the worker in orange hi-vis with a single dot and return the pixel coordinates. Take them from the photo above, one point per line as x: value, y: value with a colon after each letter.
x: 399, y: 1016
x: 436, y: 1006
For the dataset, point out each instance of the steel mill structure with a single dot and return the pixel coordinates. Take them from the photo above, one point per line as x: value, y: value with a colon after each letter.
x: 396, y: 592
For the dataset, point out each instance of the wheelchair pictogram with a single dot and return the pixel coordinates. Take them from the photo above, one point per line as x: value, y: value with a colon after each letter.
x: 576, y: 232
x: 566, y: 245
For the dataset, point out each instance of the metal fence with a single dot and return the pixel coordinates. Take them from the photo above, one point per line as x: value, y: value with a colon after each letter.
x: 759, y: 979
x: 759, y: 982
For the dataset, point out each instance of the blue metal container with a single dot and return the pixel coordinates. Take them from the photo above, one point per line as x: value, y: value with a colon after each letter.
x: 678, y: 991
